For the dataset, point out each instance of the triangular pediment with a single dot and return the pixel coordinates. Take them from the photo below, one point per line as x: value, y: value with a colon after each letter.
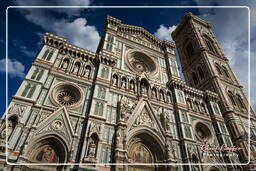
x: 58, y: 122
x: 144, y: 116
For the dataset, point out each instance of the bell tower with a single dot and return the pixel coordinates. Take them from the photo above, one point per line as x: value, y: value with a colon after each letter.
x: 205, y: 67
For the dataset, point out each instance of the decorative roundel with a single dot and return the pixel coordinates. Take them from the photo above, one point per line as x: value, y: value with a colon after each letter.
x: 140, y: 62
x: 57, y: 124
x: 67, y: 94
x: 203, y: 132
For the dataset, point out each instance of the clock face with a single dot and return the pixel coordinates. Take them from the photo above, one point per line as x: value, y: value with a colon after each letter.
x: 140, y: 62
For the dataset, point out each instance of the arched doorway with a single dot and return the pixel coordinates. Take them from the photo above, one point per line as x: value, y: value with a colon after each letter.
x: 144, y: 148
x: 48, y: 150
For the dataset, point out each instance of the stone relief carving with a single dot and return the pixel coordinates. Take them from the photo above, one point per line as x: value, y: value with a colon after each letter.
x: 92, y: 150
x: 95, y: 128
x: 170, y: 149
x: 126, y: 108
x: 166, y: 120
x: 17, y: 109
x: 144, y: 119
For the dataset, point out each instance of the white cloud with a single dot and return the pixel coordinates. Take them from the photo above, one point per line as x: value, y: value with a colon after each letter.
x: 68, y: 11
x: 77, y: 31
x: 24, y: 49
x: 164, y: 33
x: 15, y: 68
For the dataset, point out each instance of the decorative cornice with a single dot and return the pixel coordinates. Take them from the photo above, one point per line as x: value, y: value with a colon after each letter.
x: 76, y: 52
x: 189, y: 17
x: 138, y: 31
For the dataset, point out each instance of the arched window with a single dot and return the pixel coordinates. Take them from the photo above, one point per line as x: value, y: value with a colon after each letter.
x: 31, y: 92
x: 35, y: 73
x: 190, y: 50
x: 26, y: 89
x: 45, y: 54
x: 218, y: 68
x: 210, y: 45
x: 50, y: 56
x: 39, y: 76
x: 231, y: 98
x: 195, y: 79
x: 201, y: 73
x: 225, y: 72
x: 240, y: 101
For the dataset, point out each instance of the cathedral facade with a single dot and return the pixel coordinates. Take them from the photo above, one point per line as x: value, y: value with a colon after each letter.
x: 127, y: 104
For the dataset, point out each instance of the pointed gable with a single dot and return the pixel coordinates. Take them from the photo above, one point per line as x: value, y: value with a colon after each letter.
x: 58, y: 122
x: 144, y: 116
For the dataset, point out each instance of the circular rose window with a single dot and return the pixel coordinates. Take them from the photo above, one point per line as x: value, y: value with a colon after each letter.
x: 203, y: 132
x: 141, y: 63
x: 66, y: 94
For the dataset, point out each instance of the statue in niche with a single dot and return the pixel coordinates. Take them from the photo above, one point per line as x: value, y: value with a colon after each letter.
x: 92, y: 150
x: 118, y: 137
x: 9, y: 127
x: 123, y: 84
x: 132, y: 86
x: 114, y: 81
x: 170, y: 149
x: 143, y: 88
x: 76, y: 69
x: 87, y: 72
x: 167, y: 120
x: 153, y: 94
x: 64, y: 64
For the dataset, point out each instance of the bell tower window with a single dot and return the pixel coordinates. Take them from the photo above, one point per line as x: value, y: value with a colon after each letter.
x: 190, y: 50
x: 218, y: 69
x: 195, y: 79
x: 201, y: 73
x: 210, y: 46
x: 225, y: 71
x: 231, y: 97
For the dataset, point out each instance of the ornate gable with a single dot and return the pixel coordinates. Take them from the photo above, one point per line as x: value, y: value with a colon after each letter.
x: 58, y: 122
x: 143, y: 116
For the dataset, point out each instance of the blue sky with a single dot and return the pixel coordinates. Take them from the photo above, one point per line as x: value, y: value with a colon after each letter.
x: 83, y: 27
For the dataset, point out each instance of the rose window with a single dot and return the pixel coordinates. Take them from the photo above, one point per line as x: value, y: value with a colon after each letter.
x: 66, y: 98
x: 203, y: 132
x: 67, y: 94
x: 141, y: 63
